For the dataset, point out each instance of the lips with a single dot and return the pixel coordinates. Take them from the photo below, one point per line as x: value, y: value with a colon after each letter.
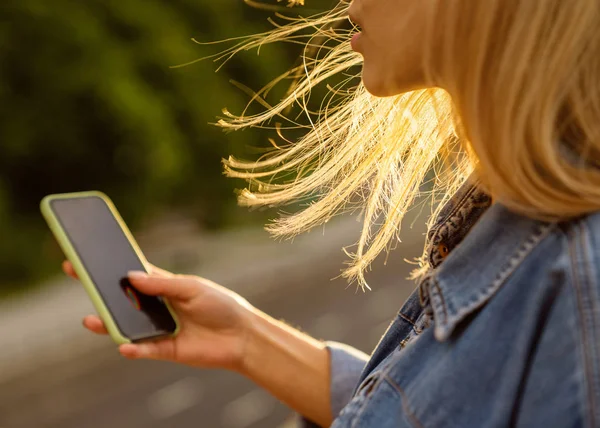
x: 354, y: 42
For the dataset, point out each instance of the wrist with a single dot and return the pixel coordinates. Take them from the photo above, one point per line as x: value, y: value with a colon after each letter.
x: 265, y: 339
x: 252, y: 339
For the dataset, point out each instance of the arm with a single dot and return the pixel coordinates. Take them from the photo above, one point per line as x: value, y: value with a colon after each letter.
x: 291, y: 365
x: 315, y: 379
x: 222, y: 330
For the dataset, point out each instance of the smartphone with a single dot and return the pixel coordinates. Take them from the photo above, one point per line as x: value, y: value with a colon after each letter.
x: 102, y: 250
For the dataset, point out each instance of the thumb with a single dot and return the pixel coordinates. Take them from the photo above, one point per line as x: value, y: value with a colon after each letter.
x: 175, y: 287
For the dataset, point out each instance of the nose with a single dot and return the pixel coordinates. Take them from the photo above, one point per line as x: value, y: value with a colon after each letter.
x: 353, y: 13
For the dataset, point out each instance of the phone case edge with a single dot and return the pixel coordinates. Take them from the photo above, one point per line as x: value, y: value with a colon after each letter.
x: 88, y: 285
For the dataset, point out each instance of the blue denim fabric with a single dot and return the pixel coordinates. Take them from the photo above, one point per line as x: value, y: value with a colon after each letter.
x: 503, y: 332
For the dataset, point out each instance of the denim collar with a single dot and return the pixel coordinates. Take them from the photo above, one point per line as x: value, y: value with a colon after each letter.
x: 455, y: 219
x: 489, y: 245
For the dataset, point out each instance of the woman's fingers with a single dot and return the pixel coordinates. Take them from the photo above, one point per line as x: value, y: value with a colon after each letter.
x: 161, y: 350
x: 94, y: 324
x: 67, y: 268
x: 176, y: 286
x: 160, y: 272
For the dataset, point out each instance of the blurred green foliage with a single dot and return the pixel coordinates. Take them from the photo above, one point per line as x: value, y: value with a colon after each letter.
x: 89, y: 100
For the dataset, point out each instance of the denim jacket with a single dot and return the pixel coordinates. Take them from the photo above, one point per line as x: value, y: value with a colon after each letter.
x: 503, y: 331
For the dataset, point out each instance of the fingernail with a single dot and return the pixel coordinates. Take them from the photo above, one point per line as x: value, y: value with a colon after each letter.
x: 137, y: 274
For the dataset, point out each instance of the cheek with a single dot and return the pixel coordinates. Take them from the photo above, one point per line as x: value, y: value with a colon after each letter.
x: 393, y: 48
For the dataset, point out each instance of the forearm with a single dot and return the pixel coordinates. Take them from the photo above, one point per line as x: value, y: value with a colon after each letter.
x: 291, y: 365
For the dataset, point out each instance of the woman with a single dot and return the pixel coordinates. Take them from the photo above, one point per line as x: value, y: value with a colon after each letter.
x: 501, y: 98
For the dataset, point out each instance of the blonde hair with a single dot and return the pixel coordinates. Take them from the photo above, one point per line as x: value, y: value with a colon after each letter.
x: 524, y: 114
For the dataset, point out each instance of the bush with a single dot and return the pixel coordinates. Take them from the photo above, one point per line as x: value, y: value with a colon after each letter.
x: 89, y: 101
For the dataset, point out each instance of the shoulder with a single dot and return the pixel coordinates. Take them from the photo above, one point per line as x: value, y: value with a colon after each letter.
x: 517, y: 303
x: 583, y: 279
x: 575, y: 266
x: 561, y: 281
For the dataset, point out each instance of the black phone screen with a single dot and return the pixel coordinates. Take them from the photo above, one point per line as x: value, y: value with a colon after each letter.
x: 107, y: 255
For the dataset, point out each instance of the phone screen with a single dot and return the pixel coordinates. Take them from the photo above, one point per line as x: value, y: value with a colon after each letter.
x: 107, y: 255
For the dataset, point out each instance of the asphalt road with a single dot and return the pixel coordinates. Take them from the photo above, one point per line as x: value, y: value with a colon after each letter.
x: 100, y: 389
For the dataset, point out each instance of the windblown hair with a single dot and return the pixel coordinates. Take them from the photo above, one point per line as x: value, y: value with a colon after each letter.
x: 520, y: 109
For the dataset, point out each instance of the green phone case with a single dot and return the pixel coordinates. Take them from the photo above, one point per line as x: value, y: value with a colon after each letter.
x: 82, y: 273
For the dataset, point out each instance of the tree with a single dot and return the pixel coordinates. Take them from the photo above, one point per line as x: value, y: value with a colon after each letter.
x: 89, y: 101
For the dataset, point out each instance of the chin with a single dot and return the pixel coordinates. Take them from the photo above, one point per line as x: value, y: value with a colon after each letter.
x: 376, y: 86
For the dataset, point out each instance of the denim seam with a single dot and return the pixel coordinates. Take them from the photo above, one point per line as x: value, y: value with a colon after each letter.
x: 407, y: 410
x: 435, y: 231
x: 455, y: 208
x: 415, y: 326
x: 404, y: 342
x: 594, y: 309
x: 584, y: 333
x: 414, y: 333
x: 384, y: 375
x: 444, y: 330
x: 437, y: 300
x: 407, y: 319
x: 379, y: 376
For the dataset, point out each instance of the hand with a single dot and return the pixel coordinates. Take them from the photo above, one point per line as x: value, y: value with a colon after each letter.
x: 214, y: 321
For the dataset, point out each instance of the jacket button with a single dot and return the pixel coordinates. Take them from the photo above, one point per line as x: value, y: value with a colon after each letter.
x: 443, y: 250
